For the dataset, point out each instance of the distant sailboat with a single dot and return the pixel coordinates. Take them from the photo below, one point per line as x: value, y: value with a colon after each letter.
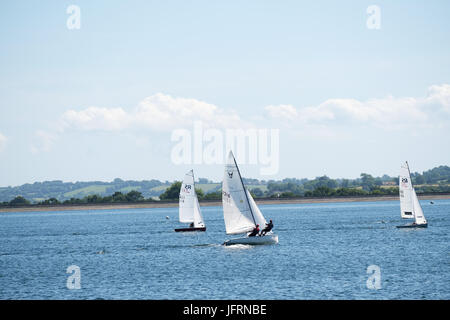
x: 189, y: 208
x: 409, y: 203
x: 241, y: 214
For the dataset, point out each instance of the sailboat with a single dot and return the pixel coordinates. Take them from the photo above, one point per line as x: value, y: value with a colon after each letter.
x: 189, y: 208
x: 240, y: 212
x: 409, y: 203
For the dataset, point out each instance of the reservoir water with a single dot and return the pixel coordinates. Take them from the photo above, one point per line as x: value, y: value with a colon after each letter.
x: 323, y: 253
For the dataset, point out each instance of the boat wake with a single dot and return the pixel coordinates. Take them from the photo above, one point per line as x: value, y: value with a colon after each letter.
x: 206, y: 245
x: 238, y: 247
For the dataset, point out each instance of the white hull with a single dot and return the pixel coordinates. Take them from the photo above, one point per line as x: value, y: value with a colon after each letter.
x: 267, y: 239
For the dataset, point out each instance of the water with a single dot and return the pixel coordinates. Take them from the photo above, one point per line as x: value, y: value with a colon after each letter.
x: 324, y: 252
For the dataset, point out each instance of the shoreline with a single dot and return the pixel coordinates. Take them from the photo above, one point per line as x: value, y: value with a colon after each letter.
x: 146, y: 205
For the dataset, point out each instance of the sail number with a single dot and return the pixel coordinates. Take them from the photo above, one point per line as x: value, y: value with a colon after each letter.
x: 226, y: 197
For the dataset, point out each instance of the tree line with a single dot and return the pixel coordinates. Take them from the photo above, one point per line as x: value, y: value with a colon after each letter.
x: 172, y: 194
x: 436, y: 180
x: 118, y: 197
x: 67, y: 190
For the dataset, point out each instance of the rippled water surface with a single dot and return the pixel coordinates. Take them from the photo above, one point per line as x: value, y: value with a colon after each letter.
x: 324, y: 252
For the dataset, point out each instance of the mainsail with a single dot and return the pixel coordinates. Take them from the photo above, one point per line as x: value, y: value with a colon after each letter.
x: 189, y: 208
x: 406, y: 192
x: 409, y: 203
x: 240, y: 211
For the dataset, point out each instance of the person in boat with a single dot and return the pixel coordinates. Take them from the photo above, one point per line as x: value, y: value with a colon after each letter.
x: 254, y: 232
x: 191, y: 225
x: 268, y: 227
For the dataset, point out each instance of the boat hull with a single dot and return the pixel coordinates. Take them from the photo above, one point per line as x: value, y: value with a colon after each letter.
x: 413, y: 225
x: 190, y: 229
x: 267, y: 239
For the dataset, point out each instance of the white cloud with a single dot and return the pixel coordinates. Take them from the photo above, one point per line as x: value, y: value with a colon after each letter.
x: 283, y: 111
x: 439, y: 97
x: 158, y: 112
x: 331, y: 119
x: 388, y: 113
x: 3, y: 141
x: 94, y: 118
x: 163, y: 112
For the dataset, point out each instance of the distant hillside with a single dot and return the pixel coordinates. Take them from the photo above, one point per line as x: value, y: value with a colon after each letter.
x: 65, y: 190
x: 433, y: 180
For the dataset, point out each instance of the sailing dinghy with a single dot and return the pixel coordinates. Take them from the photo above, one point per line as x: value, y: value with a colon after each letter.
x: 189, y: 208
x: 240, y: 212
x: 409, y: 203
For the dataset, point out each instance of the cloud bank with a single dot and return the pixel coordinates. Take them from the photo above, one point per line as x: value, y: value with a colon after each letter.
x: 164, y: 113
x: 430, y: 111
x: 158, y: 112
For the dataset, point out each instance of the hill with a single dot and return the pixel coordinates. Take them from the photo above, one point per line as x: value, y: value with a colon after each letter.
x: 433, y: 180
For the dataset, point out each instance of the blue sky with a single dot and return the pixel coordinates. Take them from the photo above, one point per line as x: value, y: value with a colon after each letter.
x: 346, y: 99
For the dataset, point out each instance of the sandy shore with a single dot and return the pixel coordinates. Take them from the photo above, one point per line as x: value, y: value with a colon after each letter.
x: 209, y: 203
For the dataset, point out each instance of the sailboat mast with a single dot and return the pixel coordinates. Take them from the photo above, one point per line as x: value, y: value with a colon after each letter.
x: 246, y: 196
x: 412, y: 187
x: 193, y: 185
x: 409, y: 172
x: 193, y: 181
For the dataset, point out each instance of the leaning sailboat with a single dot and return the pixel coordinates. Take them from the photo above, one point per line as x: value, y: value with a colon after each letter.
x: 241, y: 214
x: 189, y: 208
x: 410, y: 207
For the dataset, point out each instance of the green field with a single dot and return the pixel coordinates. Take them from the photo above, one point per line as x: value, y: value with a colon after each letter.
x: 160, y: 188
x: 207, y: 187
x: 263, y: 187
x: 101, y: 189
x: 82, y: 192
x: 128, y: 189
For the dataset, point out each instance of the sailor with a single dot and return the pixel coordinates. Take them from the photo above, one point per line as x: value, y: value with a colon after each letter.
x: 255, y: 231
x: 191, y: 225
x: 268, y: 227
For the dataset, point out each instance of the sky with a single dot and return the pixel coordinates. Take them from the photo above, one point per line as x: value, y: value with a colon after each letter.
x: 107, y: 100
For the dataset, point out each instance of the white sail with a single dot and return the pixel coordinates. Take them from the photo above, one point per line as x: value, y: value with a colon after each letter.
x: 236, y: 207
x: 259, y: 218
x: 189, y: 208
x: 406, y: 192
x: 417, y: 209
x: 198, y: 219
